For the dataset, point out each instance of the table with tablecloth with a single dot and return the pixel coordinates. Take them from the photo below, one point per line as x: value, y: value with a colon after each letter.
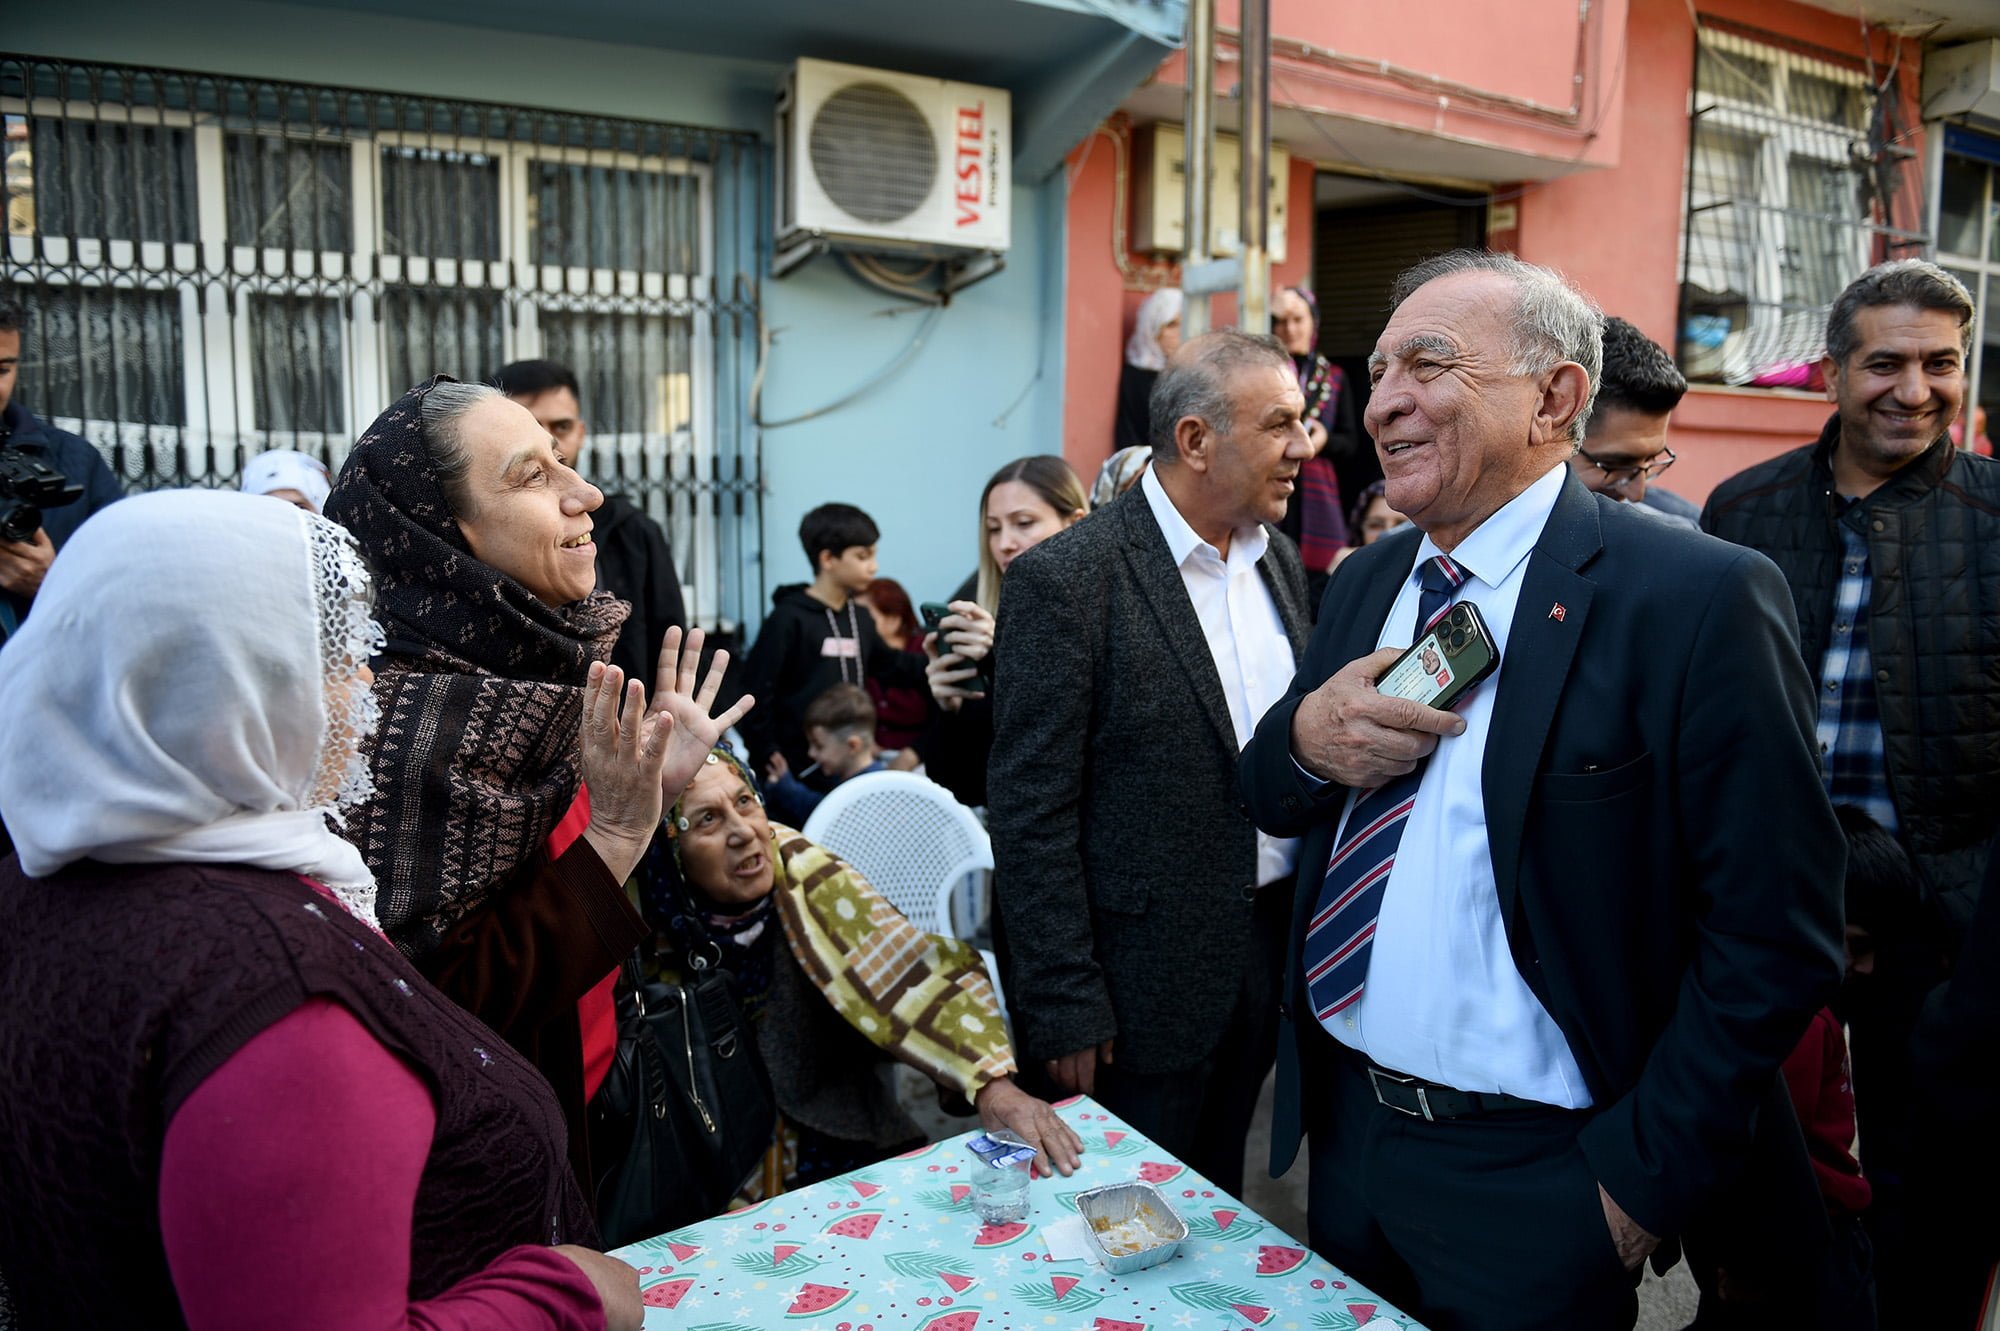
x: 896, y: 1247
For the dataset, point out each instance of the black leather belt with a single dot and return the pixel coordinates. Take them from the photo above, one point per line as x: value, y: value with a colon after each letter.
x: 1431, y: 1102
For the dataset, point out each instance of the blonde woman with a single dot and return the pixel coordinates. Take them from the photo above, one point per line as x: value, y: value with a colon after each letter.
x: 1027, y: 501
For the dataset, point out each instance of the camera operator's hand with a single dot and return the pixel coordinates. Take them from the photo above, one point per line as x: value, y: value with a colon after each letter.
x: 23, y: 564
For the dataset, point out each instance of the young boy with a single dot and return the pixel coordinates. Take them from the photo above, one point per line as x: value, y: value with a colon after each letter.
x: 816, y: 637
x: 840, y: 739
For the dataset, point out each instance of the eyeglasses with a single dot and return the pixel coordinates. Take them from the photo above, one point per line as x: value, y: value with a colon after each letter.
x: 1626, y: 473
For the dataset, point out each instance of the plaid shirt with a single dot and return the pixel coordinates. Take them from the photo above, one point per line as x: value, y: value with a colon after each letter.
x: 1850, y: 726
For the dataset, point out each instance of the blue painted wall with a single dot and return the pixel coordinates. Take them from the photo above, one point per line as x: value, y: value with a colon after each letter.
x: 985, y: 387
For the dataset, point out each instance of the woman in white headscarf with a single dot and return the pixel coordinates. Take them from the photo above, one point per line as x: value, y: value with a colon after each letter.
x: 1156, y: 335
x: 282, y: 473
x: 229, y: 1101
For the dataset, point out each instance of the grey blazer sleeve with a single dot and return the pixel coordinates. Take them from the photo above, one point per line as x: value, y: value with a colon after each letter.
x: 1046, y: 652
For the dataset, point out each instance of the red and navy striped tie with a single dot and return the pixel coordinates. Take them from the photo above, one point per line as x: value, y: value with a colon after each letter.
x: 1342, y: 931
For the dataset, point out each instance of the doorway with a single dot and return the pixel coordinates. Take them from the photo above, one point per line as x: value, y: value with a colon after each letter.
x: 1365, y: 232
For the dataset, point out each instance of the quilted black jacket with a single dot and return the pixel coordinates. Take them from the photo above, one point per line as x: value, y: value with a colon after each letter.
x: 1933, y: 629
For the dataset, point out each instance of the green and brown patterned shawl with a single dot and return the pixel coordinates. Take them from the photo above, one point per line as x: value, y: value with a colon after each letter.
x: 925, y: 1000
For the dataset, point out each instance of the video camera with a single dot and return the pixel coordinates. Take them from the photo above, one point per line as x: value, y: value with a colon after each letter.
x: 27, y: 486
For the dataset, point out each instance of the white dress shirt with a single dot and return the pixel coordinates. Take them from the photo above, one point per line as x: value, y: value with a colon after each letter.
x: 1245, y: 634
x: 1443, y: 999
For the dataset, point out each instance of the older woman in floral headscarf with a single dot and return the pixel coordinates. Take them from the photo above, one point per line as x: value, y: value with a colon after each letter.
x: 228, y: 1101
x: 508, y: 813
x: 836, y: 982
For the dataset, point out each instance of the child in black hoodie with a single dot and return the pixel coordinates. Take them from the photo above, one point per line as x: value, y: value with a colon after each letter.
x: 816, y: 637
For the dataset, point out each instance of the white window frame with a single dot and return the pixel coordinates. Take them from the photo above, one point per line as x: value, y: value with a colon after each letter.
x: 123, y: 265
x: 1979, y: 265
x: 217, y: 387
x: 1796, y: 136
x: 691, y: 524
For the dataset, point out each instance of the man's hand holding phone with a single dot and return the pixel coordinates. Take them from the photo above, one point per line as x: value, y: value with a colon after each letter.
x: 1380, y: 716
x: 1347, y: 732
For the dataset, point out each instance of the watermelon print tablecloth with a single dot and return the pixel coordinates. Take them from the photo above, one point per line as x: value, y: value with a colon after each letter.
x: 896, y: 1247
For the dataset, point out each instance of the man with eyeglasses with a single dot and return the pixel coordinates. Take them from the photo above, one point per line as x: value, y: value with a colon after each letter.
x: 1624, y: 446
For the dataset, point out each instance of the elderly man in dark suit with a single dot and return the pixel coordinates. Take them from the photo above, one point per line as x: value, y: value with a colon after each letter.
x: 1136, y: 652
x: 1550, y: 949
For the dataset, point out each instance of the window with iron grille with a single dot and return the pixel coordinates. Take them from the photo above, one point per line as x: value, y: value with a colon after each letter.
x: 214, y: 266
x: 1968, y: 242
x: 1799, y: 177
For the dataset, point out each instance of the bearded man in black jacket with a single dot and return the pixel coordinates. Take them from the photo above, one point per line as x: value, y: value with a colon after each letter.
x: 634, y: 561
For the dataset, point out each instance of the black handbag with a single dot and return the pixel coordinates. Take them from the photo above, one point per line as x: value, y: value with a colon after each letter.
x: 685, y: 1112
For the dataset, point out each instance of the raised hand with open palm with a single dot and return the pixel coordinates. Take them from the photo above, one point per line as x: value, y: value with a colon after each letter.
x: 676, y: 692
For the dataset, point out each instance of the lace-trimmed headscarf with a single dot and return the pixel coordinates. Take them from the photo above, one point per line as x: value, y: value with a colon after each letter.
x: 187, y: 690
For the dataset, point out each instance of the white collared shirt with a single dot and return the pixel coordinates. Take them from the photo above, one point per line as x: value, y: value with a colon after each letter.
x: 1245, y: 634
x: 1444, y: 1000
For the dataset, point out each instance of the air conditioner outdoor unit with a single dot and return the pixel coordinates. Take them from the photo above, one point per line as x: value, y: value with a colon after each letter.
x: 880, y: 162
x: 1963, y: 80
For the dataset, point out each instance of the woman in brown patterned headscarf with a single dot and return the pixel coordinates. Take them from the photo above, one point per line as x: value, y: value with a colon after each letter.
x: 505, y: 821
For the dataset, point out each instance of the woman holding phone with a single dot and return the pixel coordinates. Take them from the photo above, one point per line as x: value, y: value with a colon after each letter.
x: 1026, y: 502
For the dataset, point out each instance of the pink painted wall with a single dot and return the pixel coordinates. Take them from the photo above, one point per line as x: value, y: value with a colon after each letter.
x: 1094, y: 320
x: 1103, y: 298
x: 1611, y: 220
x: 1465, y: 54
x: 1616, y: 233
x: 1456, y: 41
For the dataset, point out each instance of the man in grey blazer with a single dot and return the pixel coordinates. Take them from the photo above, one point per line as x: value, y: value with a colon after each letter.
x: 1141, y: 915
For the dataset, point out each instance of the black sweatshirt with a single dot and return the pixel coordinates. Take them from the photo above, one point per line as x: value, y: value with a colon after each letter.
x: 635, y: 564
x: 804, y: 649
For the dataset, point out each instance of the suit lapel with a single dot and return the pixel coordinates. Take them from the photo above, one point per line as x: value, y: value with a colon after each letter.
x: 1541, y: 647
x: 1364, y: 626
x: 1291, y: 609
x: 1159, y: 580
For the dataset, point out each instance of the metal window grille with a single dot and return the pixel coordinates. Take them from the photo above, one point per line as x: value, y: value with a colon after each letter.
x: 1800, y: 175
x: 213, y: 266
x: 1968, y: 243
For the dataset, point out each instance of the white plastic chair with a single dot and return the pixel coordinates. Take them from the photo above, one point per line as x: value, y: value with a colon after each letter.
x: 910, y: 838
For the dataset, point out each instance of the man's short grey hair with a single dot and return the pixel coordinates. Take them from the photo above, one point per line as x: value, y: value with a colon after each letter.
x: 442, y: 410
x: 1196, y: 383
x: 1913, y: 282
x: 1553, y: 321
